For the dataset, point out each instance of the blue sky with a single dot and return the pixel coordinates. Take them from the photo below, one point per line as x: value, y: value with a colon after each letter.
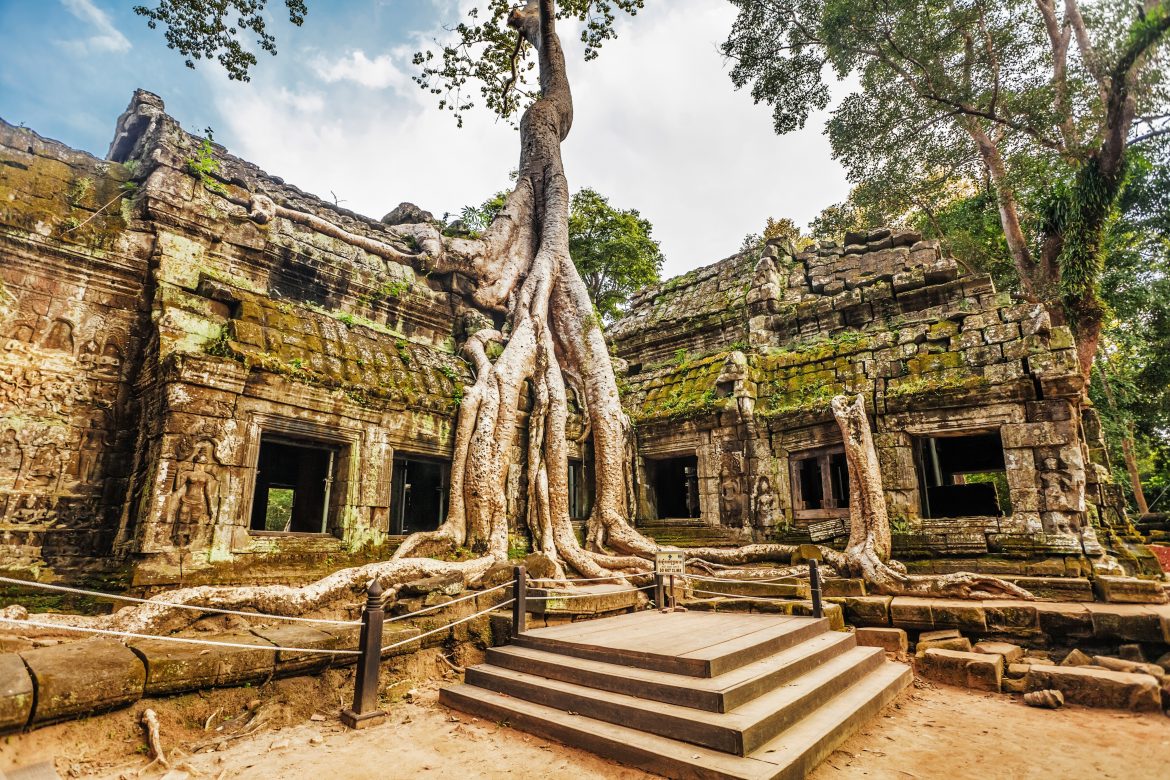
x: 658, y: 125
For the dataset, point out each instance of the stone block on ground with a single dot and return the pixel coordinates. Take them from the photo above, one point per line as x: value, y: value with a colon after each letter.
x: 892, y: 640
x: 79, y: 678
x: 447, y: 584
x: 583, y: 600
x: 867, y: 610
x: 301, y: 636
x: 1122, y: 665
x: 16, y: 693
x: 1056, y: 588
x: 978, y: 671
x: 1132, y: 652
x: 1017, y: 669
x: 935, y: 636
x: 911, y: 613
x: 1129, y: 590
x: 1076, y: 658
x: 172, y: 667
x: 840, y: 586
x: 1164, y: 662
x: 1011, y: 653
x: 1013, y: 685
x: 962, y: 644
x: 1065, y: 620
x: 1098, y: 687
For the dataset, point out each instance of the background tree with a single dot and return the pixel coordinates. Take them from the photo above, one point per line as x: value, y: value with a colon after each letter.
x: 1002, y: 91
x: 613, y: 251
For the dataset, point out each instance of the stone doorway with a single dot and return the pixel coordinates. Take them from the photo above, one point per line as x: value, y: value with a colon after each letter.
x: 419, y: 497
x: 675, y: 482
x: 294, y: 483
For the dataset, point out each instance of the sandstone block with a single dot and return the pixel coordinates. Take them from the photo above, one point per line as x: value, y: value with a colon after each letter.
x: 289, y: 662
x: 959, y: 614
x: 1099, y: 687
x: 1132, y: 652
x: 1076, y: 658
x: 1013, y: 685
x: 177, y: 666
x: 868, y: 610
x: 934, y: 636
x: 911, y: 612
x: 1018, y: 669
x: 968, y: 670
x: 1121, y: 665
x: 1130, y: 590
x: 1011, y: 653
x: 1130, y: 622
x: 892, y: 640
x: 1068, y: 620
x: 961, y: 644
x: 78, y: 678
x: 16, y: 693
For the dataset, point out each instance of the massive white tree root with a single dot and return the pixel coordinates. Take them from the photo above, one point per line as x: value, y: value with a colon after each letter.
x: 522, y: 268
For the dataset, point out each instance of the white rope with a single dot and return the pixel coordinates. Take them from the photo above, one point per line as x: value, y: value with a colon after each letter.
x: 184, y: 640
x: 449, y: 603
x: 585, y: 595
x: 773, y: 581
x: 745, y: 598
x: 448, y: 625
x: 193, y: 607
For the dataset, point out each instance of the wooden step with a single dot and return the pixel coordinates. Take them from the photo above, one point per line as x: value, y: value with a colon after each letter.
x: 740, y: 731
x: 677, y: 643
x: 790, y: 756
x: 713, y: 694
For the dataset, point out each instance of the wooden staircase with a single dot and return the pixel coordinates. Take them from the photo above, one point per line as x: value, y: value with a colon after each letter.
x: 687, y: 694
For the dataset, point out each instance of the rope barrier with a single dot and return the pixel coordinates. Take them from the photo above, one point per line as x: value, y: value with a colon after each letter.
x: 743, y: 598
x: 770, y: 581
x: 448, y: 625
x: 192, y: 607
x: 610, y: 578
x: 586, y: 595
x: 449, y: 603
x: 184, y: 640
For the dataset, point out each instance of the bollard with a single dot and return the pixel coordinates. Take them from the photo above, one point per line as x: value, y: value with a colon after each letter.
x: 519, y: 603
x: 365, y: 712
x: 659, y: 592
x: 814, y: 584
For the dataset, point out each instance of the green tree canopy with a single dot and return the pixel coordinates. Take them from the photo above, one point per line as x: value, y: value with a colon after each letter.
x: 612, y: 249
x: 1036, y: 104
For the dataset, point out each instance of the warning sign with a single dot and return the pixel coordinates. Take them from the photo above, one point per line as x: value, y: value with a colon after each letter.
x: 670, y: 562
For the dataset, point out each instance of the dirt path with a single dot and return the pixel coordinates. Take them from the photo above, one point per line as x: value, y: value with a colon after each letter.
x: 927, y: 733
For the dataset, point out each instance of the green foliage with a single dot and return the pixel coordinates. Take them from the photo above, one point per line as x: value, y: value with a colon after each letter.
x: 204, y: 164
x: 347, y: 319
x: 613, y: 251
x: 485, y: 55
x: 476, y: 219
x: 395, y: 288
x: 203, y: 29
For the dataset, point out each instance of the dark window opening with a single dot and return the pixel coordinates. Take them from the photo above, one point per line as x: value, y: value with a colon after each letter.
x: 963, y: 476
x: 820, y: 483
x: 676, y: 486
x: 419, y: 498
x: 580, y: 490
x: 294, y: 483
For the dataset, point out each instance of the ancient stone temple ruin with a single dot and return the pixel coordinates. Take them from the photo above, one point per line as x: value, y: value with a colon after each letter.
x: 195, y: 391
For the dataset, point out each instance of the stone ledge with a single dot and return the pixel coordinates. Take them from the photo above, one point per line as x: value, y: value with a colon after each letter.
x: 172, y: 667
x: 978, y: 671
x: 79, y: 678
x: 16, y: 694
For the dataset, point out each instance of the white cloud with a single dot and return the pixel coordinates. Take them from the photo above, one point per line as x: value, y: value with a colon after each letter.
x: 378, y: 73
x: 105, y: 37
x: 658, y: 127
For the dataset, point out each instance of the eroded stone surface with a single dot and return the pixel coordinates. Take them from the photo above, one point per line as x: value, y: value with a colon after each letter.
x: 16, y: 693
x: 79, y: 678
x: 1099, y: 687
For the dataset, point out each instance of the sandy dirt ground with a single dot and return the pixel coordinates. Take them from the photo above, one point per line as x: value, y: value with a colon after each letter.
x: 289, y: 729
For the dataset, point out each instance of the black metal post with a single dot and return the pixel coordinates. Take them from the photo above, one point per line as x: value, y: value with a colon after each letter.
x: 659, y: 592
x: 520, y: 602
x: 365, y: 710
x: 814, y: 584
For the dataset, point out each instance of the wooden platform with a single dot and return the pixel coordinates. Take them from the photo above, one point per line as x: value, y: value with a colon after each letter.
x: 688, y: 694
